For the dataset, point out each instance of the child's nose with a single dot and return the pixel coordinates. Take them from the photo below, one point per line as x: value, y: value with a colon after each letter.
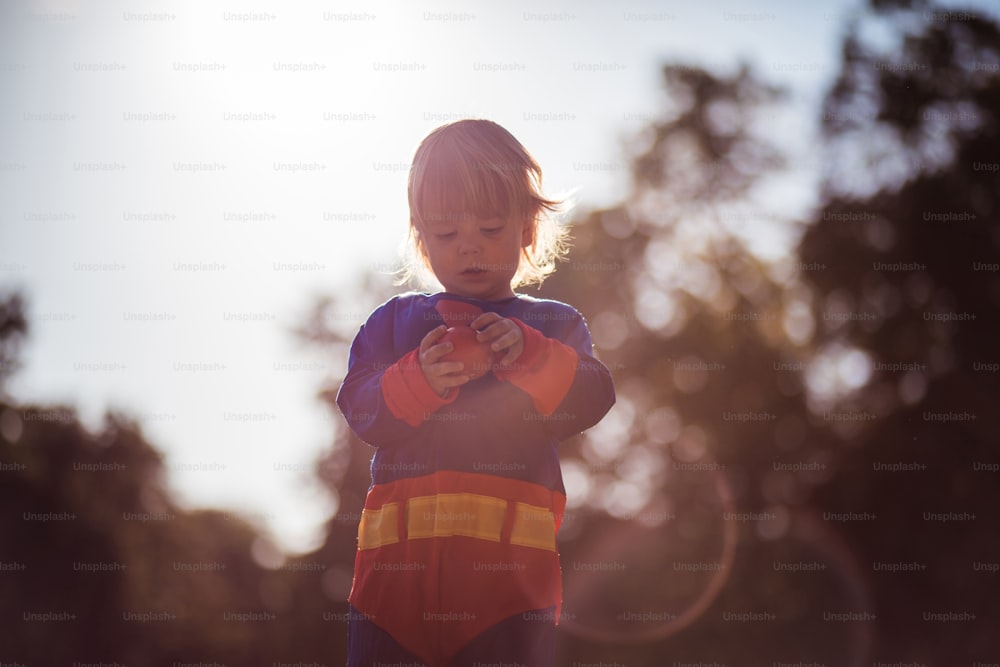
x: 467, y: 244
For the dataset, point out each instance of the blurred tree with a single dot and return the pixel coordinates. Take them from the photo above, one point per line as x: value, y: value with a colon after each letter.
x: 910, y: 239
x: 701, y: 476
x: 98, y: 564
x: 13, y: 329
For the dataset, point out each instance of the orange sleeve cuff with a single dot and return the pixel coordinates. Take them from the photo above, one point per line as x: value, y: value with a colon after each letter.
x: 408, y: 395
x: 545, y: 370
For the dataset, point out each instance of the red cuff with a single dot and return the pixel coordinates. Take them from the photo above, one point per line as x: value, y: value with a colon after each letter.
x: 408, y: 395
x: 545, y: 369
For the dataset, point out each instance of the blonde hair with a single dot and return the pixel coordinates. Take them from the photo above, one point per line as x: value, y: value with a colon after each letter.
x: 475, y: 167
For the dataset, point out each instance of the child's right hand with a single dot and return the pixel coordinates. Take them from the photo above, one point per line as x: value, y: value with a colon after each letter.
x: 441, y: 375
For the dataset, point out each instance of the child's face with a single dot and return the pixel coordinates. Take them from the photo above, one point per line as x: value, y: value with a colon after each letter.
x: 476, y: 257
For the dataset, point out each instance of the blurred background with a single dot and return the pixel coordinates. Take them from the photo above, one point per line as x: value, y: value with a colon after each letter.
x: 785, y: 242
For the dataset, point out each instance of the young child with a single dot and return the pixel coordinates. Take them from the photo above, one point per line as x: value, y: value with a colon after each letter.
x: 457, y: 561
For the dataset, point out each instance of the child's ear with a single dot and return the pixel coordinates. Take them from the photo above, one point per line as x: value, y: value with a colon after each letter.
x: 527, y: 232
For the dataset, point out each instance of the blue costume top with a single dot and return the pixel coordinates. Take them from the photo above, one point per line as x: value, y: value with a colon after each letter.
x: 458, y: 529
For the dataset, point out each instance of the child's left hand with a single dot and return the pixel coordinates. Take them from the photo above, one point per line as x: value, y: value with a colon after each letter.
x: 504, y: 334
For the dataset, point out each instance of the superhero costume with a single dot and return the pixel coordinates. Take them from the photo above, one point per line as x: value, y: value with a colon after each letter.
x: 457, y: 559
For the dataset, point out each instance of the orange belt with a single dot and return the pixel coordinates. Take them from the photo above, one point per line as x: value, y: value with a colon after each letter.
x: 467, y: 514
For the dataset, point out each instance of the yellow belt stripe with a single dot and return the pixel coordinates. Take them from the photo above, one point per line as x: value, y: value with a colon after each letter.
x: 379, y: 527
x: 467, y: 514
x: 533, y: 527
x: 448, y: 514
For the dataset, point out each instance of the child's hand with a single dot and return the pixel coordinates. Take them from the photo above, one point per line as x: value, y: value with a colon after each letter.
x: 441, y: 375
x: 506, y: 337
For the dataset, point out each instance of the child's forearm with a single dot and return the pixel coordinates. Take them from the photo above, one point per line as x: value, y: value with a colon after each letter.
x: 383, y: 407
x: 589, y: 398
x: 570, y: 389
x: 408, y: 394
x: 545, y: 370
x: 360, y: 401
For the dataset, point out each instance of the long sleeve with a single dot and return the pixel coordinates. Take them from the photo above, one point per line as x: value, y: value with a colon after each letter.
x: 570, y: 389
x: 545, y: 369
x: 384, y: 397
x: 408, y: 394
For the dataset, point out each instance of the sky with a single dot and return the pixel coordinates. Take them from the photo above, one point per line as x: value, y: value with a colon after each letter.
x: 179, y: 181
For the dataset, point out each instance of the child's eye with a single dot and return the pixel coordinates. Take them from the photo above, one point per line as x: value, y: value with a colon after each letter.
x: 491, y: 230
x: 446, y: 236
